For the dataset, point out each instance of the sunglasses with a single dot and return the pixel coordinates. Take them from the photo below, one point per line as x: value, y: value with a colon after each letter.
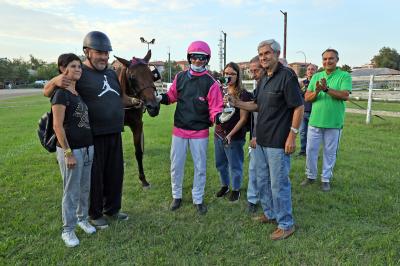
x: 200, y: 57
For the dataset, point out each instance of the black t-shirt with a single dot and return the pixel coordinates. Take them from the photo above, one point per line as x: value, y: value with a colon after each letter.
x: 102, y: 93
x: 224, y: 128
x: 276, y: 97
x: 76, y: 120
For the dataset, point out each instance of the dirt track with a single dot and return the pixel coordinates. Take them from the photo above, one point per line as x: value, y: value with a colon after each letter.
x: 7, y: 94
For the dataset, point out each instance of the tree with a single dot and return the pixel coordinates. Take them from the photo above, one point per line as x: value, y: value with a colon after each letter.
x: 5, y: 68
x: 346, y: 68
x: 387, y: 57
x: 18, y: 71
x: 35, y: 63
x: 175, y: 68
x: 47, y: 71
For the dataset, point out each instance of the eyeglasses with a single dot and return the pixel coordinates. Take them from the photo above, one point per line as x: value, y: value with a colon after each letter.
x: 230, y: 74
x: 253, y: 71
x: 201, y: 57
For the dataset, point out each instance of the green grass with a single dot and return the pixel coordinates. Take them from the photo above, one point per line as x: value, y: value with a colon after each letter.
x: 376, y: 106
x: 356, y: 223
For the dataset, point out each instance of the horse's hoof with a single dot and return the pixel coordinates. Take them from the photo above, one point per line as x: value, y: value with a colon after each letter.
x: 146, y: 187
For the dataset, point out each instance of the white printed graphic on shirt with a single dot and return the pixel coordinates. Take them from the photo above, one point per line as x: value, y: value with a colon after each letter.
x: 81, y: 111
x: 107, y: 87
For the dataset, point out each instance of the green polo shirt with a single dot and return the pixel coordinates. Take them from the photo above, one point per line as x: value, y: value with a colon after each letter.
x: 328, y: 112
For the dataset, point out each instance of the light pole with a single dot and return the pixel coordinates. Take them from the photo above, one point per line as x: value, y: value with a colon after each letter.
x: 304, y: 54
x: 169, y: 65
x: 143, y: 40
x: 284, y: 34
x: 224, y: 33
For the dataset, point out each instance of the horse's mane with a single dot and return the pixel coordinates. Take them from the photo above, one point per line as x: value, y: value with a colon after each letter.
x: 120, y: 70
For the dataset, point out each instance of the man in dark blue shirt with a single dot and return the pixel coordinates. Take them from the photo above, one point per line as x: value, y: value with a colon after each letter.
x: 280, y: 111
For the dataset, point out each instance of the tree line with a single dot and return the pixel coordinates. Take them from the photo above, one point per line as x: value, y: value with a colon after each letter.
x: 19, y: 71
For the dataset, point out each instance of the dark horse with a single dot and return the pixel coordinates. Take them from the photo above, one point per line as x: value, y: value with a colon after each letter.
x: 137, y: 80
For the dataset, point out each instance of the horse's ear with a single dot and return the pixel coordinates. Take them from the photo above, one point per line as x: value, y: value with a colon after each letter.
x: 123, y: 61
x: 148, y: 56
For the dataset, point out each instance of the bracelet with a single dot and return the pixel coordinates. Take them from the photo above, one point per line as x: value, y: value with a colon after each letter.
x: 68, y: 152
x: 326, y: 90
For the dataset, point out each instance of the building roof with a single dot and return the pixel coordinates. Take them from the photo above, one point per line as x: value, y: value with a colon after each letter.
x: 157, y: 63
x: 374, y: 71
x: 244, y: 64
x: 298, y: 64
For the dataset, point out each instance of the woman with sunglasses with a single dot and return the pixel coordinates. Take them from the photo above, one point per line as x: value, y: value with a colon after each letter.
x: 229, y: 138
x: 199, y: 104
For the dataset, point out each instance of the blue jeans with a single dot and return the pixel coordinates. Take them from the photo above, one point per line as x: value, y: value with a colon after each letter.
x: 229, y: 162
x: 252, y: 188
x: 330, y: 143
x: 303, y: 132
x: 273, y: 166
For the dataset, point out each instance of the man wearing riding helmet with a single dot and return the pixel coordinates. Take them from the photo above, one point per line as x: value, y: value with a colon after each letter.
x: 199, y: 104
x: 99, y: 87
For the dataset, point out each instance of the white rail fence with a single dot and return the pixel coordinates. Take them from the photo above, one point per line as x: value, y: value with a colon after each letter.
x: 384, y: 88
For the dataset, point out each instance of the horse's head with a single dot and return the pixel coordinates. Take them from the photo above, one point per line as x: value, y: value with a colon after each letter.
x: 137, y: 80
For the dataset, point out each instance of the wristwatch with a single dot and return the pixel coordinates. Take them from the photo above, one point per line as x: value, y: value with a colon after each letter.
x: 68, y: 152
x: 326, y: 90
x: 295, y: 130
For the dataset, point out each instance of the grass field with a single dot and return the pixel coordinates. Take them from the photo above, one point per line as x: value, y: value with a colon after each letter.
x: 357, y: 223
x: 376, y: 106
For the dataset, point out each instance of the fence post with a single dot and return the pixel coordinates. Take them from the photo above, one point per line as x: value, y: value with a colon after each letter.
x: 371, y: 86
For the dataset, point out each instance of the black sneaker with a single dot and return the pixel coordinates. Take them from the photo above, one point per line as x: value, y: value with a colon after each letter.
x: 201, y: 208
x: 175, y: 204
x: 119, y: 216
x: 99, y: 223
x: 307, y: 181
x: 234, y: 196
x: 251, y: 207
x: 222, y: 191
x: 325, y: 186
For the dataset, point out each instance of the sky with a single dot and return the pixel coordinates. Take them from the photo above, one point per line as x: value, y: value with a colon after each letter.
x: 46, y: 29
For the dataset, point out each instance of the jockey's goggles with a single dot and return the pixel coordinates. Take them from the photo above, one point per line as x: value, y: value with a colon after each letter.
x: 201, y: 57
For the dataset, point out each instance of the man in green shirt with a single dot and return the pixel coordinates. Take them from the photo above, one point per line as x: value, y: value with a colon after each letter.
x: 327, y: 91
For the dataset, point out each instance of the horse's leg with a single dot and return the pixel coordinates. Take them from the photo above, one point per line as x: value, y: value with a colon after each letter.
x: 138, y: 140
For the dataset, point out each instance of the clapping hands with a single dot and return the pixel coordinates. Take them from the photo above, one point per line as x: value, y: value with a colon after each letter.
x: 321, y: 85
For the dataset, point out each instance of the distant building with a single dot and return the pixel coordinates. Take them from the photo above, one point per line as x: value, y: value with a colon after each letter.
x: 160, y: 65
x: 360, y: 72
x: 299, y: 67
x: 183, y: 64
x: 364, y: 66
x: 244, y: 68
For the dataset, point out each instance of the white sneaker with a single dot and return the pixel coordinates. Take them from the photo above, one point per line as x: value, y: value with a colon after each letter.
x: 70, y: 239
x: 87, y: 227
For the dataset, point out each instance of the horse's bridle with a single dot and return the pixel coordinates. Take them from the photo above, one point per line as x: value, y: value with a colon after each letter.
x: 131, y: 79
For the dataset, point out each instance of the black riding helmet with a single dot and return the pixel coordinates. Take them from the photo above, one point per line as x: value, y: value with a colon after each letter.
x: 98, y: 41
